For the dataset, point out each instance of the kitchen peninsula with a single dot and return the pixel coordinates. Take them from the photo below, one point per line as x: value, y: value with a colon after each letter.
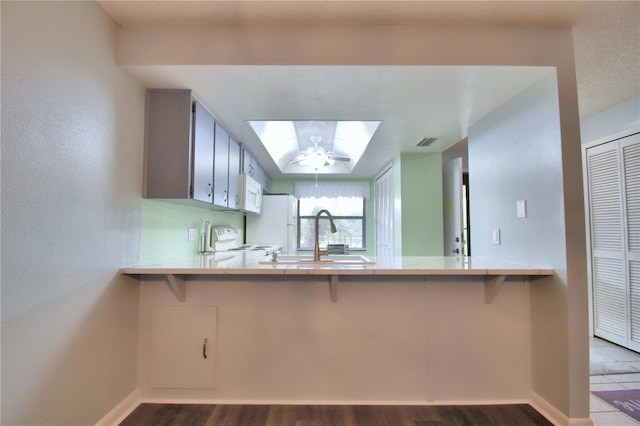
x: 237, y: 328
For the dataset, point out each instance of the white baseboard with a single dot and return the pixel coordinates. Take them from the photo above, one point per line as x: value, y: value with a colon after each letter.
x: 580, y: 422
x: 554, y: 415
x: 164, y: 400
x: 120, y: 411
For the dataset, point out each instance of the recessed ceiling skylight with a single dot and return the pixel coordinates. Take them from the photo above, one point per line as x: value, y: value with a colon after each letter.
x: 314, y: 146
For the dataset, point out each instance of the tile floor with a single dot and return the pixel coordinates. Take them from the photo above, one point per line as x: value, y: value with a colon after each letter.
x: 602, y: 413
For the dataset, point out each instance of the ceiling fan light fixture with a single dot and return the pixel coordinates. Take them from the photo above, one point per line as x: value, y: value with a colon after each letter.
x: 314, y: 158
x: 313, y: 162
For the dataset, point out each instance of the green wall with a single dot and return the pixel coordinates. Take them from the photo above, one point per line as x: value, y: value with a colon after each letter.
x: 418, y: 220
x: 164, y: 231
x: 282, y: 186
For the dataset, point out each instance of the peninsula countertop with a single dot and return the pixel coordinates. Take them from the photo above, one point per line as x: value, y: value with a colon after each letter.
x: 246, y: 263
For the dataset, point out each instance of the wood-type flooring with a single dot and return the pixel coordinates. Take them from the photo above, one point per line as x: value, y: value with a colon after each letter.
x: 333, y: 415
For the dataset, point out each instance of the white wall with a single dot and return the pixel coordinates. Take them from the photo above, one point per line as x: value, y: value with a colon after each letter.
x: 72, y: 136
x: 515, y: 154
x: 621, y: 117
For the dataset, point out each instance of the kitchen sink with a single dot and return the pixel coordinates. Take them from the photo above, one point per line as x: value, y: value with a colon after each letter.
x: 332, y: 259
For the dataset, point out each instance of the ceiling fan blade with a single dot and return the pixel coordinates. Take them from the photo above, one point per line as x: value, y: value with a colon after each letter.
x: 298, y: 158
x: 334, y: 157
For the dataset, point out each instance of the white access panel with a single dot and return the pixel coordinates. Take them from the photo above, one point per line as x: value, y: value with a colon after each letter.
x: 182, y: 349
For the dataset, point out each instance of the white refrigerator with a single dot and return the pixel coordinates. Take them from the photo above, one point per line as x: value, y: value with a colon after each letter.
x: 276, y: 224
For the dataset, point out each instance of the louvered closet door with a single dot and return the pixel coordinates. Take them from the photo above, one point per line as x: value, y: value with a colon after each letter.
x: 630, y: 150
x: 610, y: 294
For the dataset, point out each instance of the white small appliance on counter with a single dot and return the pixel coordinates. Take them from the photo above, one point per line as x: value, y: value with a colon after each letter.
x: 278, y: 223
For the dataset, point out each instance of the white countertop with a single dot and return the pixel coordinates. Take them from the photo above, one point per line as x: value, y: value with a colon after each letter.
x: 247, y: 263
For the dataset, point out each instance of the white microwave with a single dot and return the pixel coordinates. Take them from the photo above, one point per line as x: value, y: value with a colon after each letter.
x: 250, y: 194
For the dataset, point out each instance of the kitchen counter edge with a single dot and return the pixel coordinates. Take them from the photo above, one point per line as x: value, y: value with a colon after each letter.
x: 399, y: 266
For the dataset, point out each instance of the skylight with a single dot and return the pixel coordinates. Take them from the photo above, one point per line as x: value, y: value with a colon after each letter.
x: 315, y: 146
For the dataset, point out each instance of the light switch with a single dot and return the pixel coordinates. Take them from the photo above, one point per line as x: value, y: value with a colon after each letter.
x: 522, y: 208
x: 192, y: 234
x: 495, y: 236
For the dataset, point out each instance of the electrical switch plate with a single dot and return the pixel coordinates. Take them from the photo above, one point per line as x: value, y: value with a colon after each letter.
x: 495, y: 236
x: 192, y: 234
x: 522, y: 208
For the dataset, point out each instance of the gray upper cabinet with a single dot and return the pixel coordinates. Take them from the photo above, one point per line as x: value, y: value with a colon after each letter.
x: 251, y: 167
x: 234, y: 174
x: 188, y: 155
x: 178, y: 150
x: 247, y: 160
x: 226, y: 171
x: 203, y: 130
x: 221, y: 168
x: 168, y: 150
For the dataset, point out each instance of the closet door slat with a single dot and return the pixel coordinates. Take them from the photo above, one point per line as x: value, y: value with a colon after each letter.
x: 631, y: 168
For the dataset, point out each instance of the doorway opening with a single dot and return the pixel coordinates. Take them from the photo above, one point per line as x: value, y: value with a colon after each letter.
x: 466, y: 216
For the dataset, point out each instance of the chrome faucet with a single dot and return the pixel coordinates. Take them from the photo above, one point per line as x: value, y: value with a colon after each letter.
x: 316, y: 250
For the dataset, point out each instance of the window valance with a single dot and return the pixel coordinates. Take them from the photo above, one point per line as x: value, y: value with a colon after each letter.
x: 332, y: 189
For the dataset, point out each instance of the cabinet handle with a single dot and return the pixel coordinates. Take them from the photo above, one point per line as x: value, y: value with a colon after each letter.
x: 210, y: 190
x: 204, y: 348
x: 456, y: 251
x: 237, y: 199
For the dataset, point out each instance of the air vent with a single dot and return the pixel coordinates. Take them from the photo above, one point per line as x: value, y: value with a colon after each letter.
x: 426, y: 142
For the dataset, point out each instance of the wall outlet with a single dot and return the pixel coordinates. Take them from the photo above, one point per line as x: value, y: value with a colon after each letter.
x: 192, y: 234
x: 521, y: 207
x: 495, y: 236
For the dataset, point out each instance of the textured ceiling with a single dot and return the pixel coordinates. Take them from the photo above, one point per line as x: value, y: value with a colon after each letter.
x: 606, y: 33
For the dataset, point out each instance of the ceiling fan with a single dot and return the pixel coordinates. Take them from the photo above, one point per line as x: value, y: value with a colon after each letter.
x: 316, y: 157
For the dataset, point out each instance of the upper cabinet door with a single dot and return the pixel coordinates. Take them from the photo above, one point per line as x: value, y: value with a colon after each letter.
x: 203, y: 131
x: 221, y: 167
x: 168, y: 138
x: 234, y: 174
x: 247, y: 162
x: 251, y: 167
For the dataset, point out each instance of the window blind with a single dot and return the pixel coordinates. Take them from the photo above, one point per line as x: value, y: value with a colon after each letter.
x: 332, y: 189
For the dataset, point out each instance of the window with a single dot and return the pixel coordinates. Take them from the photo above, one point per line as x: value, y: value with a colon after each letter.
x: 348, y: 215
x: 346, y: 203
